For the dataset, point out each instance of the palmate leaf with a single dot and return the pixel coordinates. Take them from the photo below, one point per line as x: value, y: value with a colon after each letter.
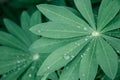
x: 88, y: 65
x: 85, y: 8
x: 114, y: 42
x: 58, y: 30
x: 63, y: 55
x: 47, y: 45
x: 57, y: 14
x: 107, y: 11
x: 11, y: 59
x: 17, y: 31
x: 107, y: 58
x: 11, y: 41
x: 70, y: 72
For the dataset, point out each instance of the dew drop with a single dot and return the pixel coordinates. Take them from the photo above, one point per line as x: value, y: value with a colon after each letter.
x: 39, y: 31
x: 86, y: 39
x: 85, y: 28
x: 83, y: 75
x: 118, y: 51
x: 78, y: 44
x: 18, y: 61
x: 81, y: 56
x: 48, y: 67
x: 36, y: 57
x: 72, y: 56
x: 30, y: 75
x: 66, y: 57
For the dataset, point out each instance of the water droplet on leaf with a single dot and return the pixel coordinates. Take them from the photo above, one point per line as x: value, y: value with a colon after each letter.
x: 66, y: 57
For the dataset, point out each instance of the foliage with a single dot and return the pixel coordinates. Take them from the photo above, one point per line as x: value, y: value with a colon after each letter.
x: 71, y: 40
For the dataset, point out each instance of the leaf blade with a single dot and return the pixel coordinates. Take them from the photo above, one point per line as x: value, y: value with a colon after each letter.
x: 111, y: 6
x: 108, y: 59
x: 64, y: 57
x: 85, y: 8
x: 58, y: 30
x: 88, y: 65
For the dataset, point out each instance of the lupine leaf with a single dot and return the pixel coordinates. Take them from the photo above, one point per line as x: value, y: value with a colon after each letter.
x: 35, y: 18
x: 10, y: 40
x: 114, y: 33
x: 61, y: 14
x: 88, y: 65
x: 15, y: 74
x: 52, y: 30
x: 115, y: 24
x: 107, y: 11
x: 106, y: 59
x: 46, y: 45
x: 30, y: 74
x: 71, y: 71
x: 63, y: 55
x: 27, y: 22
x: 85, y: 8
x: 17, y: 31
x: 114, y: 42
x: 10, y: 61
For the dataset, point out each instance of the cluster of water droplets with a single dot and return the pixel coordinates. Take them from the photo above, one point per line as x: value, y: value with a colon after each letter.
x: 84, y: 28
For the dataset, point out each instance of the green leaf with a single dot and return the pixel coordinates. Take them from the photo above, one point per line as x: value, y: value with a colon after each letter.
x: 30, y: 73
x: 61, y: 14
x: 88, y: 65
x: 108, y: 61
x: 70, y: 72
x: 11, y: 41
x: 58, y: 30
x: 114, y: 42
x: 17, y: 31
x: 107, y: 11
x: 85, y: 8
x: 114, y: 33
x: 74, y: 11
x: 15, y: 74
x: 53, y: 76
x: 35, y: 18
x: 27, y: 22
x: 47, y: 45
x: 62, y: 56
x: 11, y: 59
x: 113, y: 25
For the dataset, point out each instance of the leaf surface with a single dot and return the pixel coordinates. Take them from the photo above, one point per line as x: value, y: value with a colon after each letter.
x: 85, y: 8
x: 62, y: 56
x: 106, y: 59
x: 61, y: 14
x: 59, y: 30
x: 107, y: 11
x: 88, y: 65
